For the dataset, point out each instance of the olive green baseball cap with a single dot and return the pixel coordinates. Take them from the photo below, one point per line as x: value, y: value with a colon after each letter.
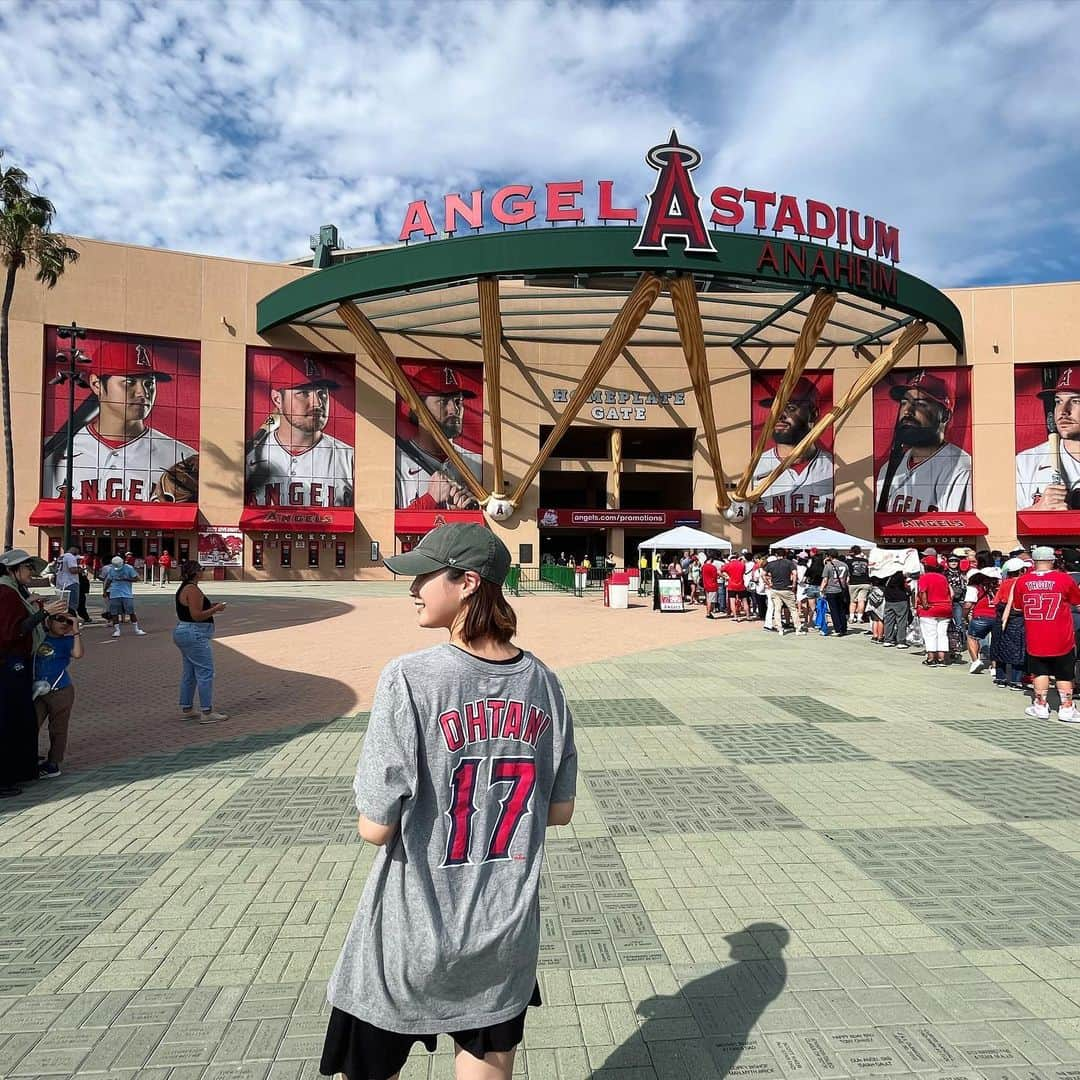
x: 463, y: 547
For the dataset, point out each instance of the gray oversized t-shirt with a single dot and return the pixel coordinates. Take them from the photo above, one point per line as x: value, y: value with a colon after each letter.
x: 466, y: 754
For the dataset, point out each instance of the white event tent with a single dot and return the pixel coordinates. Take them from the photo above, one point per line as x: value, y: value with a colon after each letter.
x: 823, y: 540
x: 684, y: 538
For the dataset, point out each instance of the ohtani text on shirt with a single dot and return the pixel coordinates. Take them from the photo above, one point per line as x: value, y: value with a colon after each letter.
x: 301, y: 493
x: 493, y: 718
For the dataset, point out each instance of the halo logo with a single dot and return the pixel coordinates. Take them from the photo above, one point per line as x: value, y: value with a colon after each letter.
x: 674, y: 212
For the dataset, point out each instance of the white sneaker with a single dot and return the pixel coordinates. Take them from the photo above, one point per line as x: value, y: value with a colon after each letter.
x: 140, y: 631
x: 977, y: 666
x: 1069, y: 715
x: 212, y: 717
x: 1039, y: 712
x: 116, y: 632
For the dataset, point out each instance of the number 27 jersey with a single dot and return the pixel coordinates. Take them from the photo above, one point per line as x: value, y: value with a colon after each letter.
x: 465, y: 755
x: 1046, y: 598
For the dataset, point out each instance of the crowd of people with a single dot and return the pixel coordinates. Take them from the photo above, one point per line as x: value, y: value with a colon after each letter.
x: 40, y: 636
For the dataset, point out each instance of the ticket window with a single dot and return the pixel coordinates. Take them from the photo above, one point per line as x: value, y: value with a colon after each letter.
x: 286, y: 553
x: 54, y: 548
x: 257, y: 554
x: 313, y: 554
x: 185, y: 550
x: 339, y: 553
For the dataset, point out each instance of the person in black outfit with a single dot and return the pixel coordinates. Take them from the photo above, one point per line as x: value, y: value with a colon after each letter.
x: 897, y: 610
x: 192, y: 636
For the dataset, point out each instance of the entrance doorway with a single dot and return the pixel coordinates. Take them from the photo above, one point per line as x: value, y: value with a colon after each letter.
x: 574, y: 545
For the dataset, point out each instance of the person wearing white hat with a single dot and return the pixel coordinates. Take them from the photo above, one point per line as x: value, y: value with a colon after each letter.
x: 119, y: 577
x: 1045, y: 597
x: 1008, y: 647
x: 982, y: 584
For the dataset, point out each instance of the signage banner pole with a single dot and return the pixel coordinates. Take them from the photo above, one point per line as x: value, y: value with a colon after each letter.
x: 869, y: 378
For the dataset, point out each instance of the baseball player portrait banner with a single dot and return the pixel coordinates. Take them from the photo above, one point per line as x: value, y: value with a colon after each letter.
x: 300, y: 432
x: 1048, y: 446
x: 805, y: 488
x: 922, y: 443
x: 136, y: 425
x: 427, y: 483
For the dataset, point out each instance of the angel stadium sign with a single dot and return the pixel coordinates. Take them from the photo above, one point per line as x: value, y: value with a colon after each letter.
x: 674, y: 212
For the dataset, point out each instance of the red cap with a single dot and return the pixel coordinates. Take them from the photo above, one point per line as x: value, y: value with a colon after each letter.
x: 125, y: 359
x: 438, y: 380
x: 804, y: 390
x: 931, y: 562
x: 927, y: 384
x: 291, y: 372
x: 1068, y: 381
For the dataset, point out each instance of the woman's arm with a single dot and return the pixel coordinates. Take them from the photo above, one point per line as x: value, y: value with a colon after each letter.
x: 77, y: 647
x: 374, y: 833
x: 192, y: 592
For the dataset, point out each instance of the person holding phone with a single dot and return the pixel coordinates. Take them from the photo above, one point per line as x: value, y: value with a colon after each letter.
x: 192, y: 636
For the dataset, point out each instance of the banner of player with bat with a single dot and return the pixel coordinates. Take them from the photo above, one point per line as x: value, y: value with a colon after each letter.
x: 454, y: 394
x: 136, y: 423
x: 300, y: 428
x: 1048, y: 436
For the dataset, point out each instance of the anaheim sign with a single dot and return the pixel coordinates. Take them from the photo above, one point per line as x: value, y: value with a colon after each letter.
x: 674, y: 210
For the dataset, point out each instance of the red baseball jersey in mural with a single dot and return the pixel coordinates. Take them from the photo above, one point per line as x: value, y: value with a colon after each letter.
x: 1046, y: 598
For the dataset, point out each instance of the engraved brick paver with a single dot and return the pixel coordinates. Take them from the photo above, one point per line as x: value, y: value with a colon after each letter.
x: 875, y: 875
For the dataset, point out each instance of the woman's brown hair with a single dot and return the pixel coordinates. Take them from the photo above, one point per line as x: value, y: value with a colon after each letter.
x: 488, y: 615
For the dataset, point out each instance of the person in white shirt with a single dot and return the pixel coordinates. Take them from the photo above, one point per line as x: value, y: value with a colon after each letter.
x: 67, y: 576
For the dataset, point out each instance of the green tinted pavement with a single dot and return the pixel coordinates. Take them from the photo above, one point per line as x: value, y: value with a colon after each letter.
x: 796, y: 858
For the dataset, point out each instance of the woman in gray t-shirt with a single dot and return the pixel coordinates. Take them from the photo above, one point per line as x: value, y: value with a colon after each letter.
x: 469, y: 756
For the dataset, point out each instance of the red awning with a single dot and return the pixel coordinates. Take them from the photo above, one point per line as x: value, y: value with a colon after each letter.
x: 934, y: 525
x: 309, y: 519
x: 787, y: 524
x: 421, y: 522
x: 1063, y: 524
x: 86, y: 514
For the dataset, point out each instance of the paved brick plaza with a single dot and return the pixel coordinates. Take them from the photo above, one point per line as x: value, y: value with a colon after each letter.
x: 790, y: 859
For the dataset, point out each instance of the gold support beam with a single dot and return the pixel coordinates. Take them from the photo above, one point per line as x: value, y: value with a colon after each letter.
x: 634, y: 309
x: 839, y: 412
x: 615, y: 495
x: 684, y: 300
x: 491, y: 337
x: 375, y: 345
x: 809, y: 335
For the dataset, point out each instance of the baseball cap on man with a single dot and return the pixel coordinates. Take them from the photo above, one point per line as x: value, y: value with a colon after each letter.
x: 117, y: 560
x: 1068, y: 382
x: 125, y: 360
x: 439, y: 381
x: 804, y: 390
x: 17, y: 556
x: 927, y: 384
x: 1043, y: 554
x: 1012, y: 566
x: 461, y: 546
x: 300, y: 373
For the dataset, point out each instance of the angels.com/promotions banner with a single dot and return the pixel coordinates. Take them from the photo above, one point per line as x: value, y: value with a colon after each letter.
x: 300, y: 427
x: 428, y: 485
x: 805, y: 487
x: 922, y: 442
x: 135, y: 426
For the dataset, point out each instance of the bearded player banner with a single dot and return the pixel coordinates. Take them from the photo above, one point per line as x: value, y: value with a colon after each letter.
x: 136, y: 422
x: 427, y: 482
x: 922, y: 442
x: 298, y: 458
x: 1048, y: 449
x: 805, y: 487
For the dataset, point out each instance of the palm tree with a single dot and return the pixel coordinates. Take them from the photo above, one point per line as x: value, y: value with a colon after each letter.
x: 25, y: 237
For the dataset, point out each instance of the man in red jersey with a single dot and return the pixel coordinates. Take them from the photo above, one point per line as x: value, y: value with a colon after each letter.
x: 710, y: 580
x: 1046, y: 596
x: 735, y: 572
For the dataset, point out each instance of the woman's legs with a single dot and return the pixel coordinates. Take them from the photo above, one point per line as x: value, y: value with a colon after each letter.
x: 497, y: 1065
x: 197, y: 671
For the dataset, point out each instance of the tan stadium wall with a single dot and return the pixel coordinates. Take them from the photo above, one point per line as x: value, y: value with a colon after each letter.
x: 129, y: 289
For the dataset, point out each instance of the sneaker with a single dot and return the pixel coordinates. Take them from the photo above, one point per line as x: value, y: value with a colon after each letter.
x: 50, y: 769
x: 189, y: 714
x: 1069, y: 715
x: 212, y: 717
x: 1016, y: 686
x: 803, y: 632
x: 1038, y: 712
x: 116, y: 632
x: 140, y: 631
x: 977, y: 666
x: 903, y: 645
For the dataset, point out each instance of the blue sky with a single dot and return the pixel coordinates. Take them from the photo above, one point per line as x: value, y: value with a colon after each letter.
x: 239, y: 128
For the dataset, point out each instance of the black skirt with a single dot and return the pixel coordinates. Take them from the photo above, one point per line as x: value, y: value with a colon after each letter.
x: 364, y: 1052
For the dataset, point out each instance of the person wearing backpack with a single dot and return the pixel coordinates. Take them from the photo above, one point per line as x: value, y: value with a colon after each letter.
x: 834, y: 581
x: 858, y: 584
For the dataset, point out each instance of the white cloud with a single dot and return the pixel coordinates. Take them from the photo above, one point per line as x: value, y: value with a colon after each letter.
x: 238, y: 128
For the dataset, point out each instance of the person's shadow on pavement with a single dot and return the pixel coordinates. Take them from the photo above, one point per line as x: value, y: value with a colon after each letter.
x: 703, y: 1030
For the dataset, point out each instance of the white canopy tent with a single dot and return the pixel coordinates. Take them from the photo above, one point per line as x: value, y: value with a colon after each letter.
x: 684, y: 538
x: 822, y: 539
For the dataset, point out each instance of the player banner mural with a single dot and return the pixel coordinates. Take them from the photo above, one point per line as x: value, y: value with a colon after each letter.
x: 427, y: 482
x: 805, y: 488
x: 922, y: 443
x: 136, y: 423
x: 1048, y: 437
x: 300, y: 427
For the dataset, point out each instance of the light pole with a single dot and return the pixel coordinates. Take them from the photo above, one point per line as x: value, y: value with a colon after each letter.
x: 71, y: 356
